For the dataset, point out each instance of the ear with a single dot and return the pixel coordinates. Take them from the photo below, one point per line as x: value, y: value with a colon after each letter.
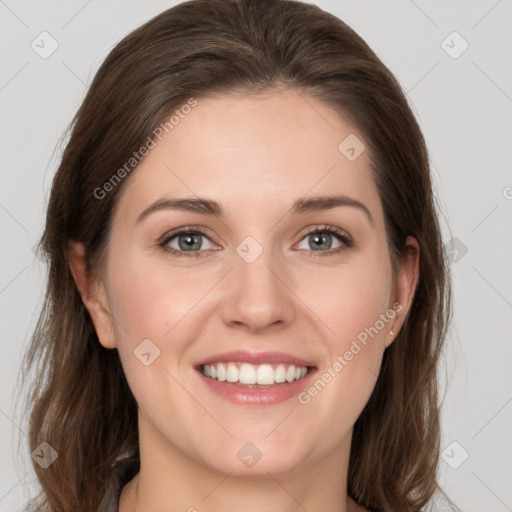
x: 405, y: 286
x: 93, y: 294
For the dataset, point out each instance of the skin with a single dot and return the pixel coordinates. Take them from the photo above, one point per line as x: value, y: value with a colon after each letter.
x: 255, y: 155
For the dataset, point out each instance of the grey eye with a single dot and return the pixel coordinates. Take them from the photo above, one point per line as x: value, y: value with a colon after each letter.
x: 188, y: 242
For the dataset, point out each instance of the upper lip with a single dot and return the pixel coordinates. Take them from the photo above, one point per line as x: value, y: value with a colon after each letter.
x: 240, y: 356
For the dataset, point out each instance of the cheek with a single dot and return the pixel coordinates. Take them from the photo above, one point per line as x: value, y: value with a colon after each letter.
x: 350, y: 299
x: 151, y: 299
x: 150, y: 304
x: 353, y: 303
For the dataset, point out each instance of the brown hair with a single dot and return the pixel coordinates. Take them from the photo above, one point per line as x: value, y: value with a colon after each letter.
x: 80, y: 400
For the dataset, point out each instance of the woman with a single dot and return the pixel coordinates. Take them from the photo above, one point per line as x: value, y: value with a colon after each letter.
x: 248, y: 295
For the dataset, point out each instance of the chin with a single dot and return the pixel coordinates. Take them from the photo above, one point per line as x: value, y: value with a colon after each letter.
x: 256, y: 459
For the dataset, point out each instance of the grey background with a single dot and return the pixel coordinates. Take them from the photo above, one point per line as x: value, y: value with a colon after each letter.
x: 464, y: 106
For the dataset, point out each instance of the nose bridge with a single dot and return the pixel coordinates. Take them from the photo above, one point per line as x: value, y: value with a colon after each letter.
x: 253, y: 266
x: 257, y: 296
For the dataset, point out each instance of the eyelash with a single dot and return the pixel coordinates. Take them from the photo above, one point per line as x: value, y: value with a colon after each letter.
x: 343, y: 237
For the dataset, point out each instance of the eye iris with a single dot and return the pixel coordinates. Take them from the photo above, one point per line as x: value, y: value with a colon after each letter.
x: 319, y: 241
x: 190, y: 242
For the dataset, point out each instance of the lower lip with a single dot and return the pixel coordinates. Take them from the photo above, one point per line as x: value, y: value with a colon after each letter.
x: 240, y: 394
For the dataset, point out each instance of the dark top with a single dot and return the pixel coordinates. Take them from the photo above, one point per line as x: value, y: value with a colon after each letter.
x: 125, y: 468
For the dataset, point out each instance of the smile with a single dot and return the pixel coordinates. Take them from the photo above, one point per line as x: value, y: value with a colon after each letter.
x: 255, y: 378
x: 249, y: 374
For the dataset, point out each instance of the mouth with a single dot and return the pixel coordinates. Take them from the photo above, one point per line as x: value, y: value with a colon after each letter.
x: 255, y: 378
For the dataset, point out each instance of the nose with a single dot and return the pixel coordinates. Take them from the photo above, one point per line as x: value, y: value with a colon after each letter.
x: 257, y: 296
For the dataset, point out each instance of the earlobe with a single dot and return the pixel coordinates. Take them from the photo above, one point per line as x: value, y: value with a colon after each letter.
x: 93, y: 294
x: 406, y: 284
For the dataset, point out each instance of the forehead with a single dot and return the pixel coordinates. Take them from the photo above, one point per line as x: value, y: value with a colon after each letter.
x: 255, y: 152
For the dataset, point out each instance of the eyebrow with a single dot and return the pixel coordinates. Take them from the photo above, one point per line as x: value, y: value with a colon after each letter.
x: 210, y: 207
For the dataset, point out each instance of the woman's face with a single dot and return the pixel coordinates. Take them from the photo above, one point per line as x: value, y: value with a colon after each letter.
x: 251, y: 293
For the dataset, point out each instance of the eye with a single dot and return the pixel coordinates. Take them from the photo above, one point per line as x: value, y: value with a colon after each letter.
x: 326, y: 240
x: 186, y: 242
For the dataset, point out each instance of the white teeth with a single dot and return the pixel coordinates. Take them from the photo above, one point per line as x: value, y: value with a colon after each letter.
x: 265, y: 375
x: 245, y: 373
x: 221, y: 372
x: 232, y: 373
x: 280, y: 373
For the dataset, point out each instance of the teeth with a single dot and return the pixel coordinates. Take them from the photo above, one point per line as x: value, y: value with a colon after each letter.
x: 280, y: 373
x: 247, y: 374
x: 232, y: 373
x: 221, y: 372
x: 264, y: 374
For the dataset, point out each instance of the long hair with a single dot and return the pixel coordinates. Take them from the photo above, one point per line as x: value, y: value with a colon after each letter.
x: 79, y: 400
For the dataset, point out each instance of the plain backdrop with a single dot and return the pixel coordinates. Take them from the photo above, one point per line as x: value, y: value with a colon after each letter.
x: 460, y: 88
